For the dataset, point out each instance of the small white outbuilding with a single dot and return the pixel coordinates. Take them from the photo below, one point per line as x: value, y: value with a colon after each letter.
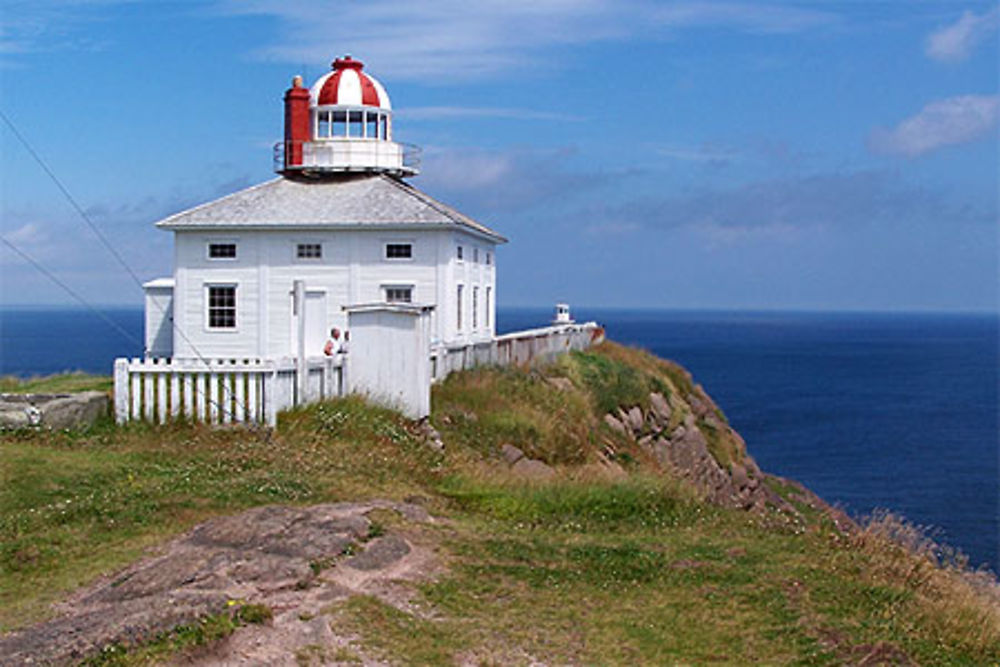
x: 341, y: 219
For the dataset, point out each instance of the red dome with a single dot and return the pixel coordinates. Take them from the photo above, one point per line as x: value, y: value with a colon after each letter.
x: 347, y: 85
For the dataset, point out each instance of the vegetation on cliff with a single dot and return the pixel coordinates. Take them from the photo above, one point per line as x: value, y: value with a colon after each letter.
x: 621, y: 543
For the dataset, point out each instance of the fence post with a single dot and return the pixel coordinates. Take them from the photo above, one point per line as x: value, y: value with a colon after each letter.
x: 121, y: 390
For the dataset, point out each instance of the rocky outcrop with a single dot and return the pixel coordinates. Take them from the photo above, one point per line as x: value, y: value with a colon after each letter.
x: 56, y: 411
x: 673, y: 432
x: 294, y: 560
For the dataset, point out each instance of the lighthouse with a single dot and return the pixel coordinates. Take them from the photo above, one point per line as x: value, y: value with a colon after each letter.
x: 343, y: 123
x: 267, y: 272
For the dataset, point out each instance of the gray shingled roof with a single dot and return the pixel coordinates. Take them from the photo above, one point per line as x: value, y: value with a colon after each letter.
x: 375, y: 200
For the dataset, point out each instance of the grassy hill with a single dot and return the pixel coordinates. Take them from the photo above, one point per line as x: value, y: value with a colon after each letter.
x: 611, y: 557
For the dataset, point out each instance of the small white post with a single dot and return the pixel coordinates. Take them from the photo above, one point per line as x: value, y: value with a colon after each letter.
x: 121, y: 390
x: 301, y: 371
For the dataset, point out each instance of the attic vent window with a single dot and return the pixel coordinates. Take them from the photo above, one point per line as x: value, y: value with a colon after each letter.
x: 399, y: 294
x: 309, y: 251
x: 398, y: 250
x: 222, y: 251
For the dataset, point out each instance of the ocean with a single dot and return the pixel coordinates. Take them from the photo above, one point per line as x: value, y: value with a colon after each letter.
x: 896, y: 411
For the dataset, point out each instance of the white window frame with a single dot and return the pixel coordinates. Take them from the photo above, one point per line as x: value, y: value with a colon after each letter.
x: 211, y: 242
x: 475, y: 255
x: 489, y: 258
x: 308, y: 260
x: 459, y: 293
x: 489, y: 293
x: 206, y: 290
x: 388, y: 242
x: 475, y: 307
x: 411, y: 287
x: 459, y: 253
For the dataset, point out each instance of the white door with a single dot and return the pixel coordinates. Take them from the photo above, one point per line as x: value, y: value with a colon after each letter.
x: 316, y: 329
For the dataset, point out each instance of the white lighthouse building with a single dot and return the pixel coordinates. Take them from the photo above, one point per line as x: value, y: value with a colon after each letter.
x: 339, y: 224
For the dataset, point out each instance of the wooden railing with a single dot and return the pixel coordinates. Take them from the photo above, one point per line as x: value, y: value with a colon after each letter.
x: 219, y: 391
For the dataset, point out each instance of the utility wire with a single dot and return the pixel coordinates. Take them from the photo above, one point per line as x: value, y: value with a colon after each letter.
x: 69, y: 197
x: 51, y: 276
x: 114, y: 253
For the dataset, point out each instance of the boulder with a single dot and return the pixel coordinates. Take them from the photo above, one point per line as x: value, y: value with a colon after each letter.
x: 615, y: 424
x: 57, y: 411
x: 510, y: 453
x: 635, y: 419
x: 659, y: 407
x: 75, y: 410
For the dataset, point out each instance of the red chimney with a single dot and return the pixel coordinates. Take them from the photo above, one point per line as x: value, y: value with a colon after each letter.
x: 296, y: 122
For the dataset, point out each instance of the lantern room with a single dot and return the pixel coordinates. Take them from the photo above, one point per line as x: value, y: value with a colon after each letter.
x: 343, y: 123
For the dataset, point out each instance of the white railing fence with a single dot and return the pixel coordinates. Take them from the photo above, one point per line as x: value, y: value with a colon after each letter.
x: 219, y: 391
x: 254, y: 391
x: 533, y: 346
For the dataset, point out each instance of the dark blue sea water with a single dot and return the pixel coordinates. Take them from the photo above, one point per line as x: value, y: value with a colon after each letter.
x: 868, y: 410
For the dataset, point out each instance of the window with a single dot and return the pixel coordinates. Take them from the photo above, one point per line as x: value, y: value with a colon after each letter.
x: 489, y: 258
x: 399, y: 294
x: 355, y: 124
x: 398, y: 250
x: 489, y: 291
x: 384, y: 127
x: 222, y: 307
x: 459, y: 255
x: 458, y: 311
x: 339, y: 123
x: 475, y: 307
x: 475, y: 255
x: 371, y: 125
x: 323, y: 126
x: 309, y: 251
x: 222, y: 251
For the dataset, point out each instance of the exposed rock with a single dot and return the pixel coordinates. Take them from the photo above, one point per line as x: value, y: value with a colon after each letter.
x: 615, y: 423
x: 379, y: 553
x: 289, y: 558
x: 431, y: 436
x: 635, y: 419
x: 56, y: 411
x: 660, y: 408
x: 533, y: 469
x: 511, y: 454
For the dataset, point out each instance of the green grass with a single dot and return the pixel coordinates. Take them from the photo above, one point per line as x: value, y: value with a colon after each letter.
x: 584, y: 568
x: 56, y: 384
x: 182, y: 638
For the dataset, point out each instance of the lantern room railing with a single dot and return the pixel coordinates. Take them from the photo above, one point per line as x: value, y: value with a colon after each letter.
x: 347, y: 155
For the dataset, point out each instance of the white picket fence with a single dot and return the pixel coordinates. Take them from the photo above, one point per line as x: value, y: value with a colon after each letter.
x: 219, y: 391
x: 254, y: 391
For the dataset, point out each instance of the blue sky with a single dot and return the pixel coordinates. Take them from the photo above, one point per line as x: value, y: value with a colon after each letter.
x: 780, y: 155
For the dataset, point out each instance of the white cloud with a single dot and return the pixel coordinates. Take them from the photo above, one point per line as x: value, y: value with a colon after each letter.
x: 28, y: 26
x: 448, y: 40
x: 28, y: 233
x: 956, y: 120
x: 955, y: 42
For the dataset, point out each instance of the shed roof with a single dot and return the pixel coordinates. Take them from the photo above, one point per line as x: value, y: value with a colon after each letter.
x: 350, y: 201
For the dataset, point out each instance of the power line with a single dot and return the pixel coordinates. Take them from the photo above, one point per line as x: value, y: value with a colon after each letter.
x: 114, y: 253
x: 51, y: 276
x: 69, y: 197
